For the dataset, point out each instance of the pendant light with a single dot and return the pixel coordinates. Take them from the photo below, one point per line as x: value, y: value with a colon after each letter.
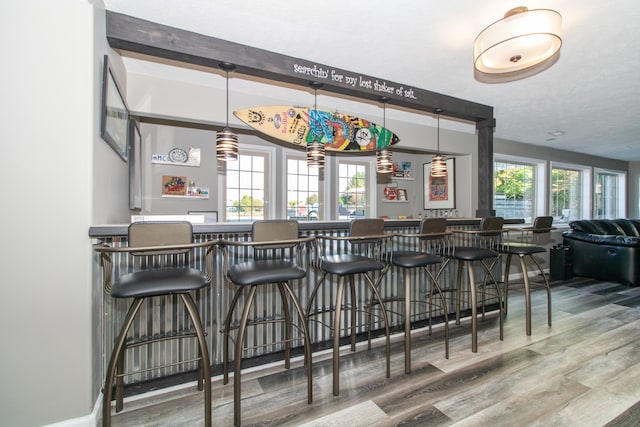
x: 315, y: 148
x: 226, y: 140
x: 384, y: 161
x: 438, y: 162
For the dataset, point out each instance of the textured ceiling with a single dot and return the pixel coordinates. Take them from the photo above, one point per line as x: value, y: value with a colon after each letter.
x: 592, y: 92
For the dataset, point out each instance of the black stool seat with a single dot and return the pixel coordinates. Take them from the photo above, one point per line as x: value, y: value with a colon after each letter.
x: 413, y: 259
x: 345, y: 264
x: 468, y: 253
x: 263, y: 272
x: 152, y: 283
x: 523, y: 249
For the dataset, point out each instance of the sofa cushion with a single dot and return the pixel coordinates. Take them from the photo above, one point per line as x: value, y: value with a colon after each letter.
x: 597, y: 226
x: 604, y: 239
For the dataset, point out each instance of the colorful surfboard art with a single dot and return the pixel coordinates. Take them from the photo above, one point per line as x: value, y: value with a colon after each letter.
x: 337, y: 131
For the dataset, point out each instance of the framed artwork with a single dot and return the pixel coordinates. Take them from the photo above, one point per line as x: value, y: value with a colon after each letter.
x: 135, y: 166
x: 174, y: 185
x: 114, y: 125
x: 402, y: 195
x: 440, y: 193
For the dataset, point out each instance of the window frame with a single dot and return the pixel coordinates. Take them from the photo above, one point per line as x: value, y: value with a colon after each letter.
x: 538, y: 181
x: 585, y: 183
x: 297, y: 155
x: 370, y: 206
x: 621, y: 202
x: 269, y: 180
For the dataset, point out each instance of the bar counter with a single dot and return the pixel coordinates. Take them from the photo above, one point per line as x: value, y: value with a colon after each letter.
x: 161, y: 314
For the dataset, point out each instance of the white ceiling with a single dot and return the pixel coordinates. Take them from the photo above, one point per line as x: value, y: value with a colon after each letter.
x: 592, y: 93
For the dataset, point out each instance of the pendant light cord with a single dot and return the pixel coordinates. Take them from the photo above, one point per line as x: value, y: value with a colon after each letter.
x: 227, y: 109
x: 438, y: 133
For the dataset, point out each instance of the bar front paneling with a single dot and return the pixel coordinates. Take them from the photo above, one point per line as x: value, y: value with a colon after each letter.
x: 161, y: 315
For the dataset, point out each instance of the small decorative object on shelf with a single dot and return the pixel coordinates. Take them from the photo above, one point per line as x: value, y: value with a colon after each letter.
x: 402, y: 170
x: 406, y: 170
x: 390, y: 193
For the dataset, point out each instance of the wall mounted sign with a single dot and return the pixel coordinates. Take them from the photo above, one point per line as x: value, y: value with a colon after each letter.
x: 178, y: 156
x: 302, y: 125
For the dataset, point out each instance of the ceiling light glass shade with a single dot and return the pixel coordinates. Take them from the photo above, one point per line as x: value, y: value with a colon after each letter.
x: 522, y: 39
x: 315, y: 154
x: 438, y: 166
x: 384, y: 161
x: 226, y: 145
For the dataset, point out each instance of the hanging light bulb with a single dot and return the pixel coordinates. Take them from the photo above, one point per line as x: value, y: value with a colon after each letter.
x: 227, y: 140
x: 384, y: 160
x: 315, y: 148
x: 439, y: 161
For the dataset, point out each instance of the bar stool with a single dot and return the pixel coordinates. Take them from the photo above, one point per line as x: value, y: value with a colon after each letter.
x: 276, y: 258
x: 527, y: 249
x: 361, y: 254
x: 163, y: 250
x: 481, y: 247
x: 432, y: 238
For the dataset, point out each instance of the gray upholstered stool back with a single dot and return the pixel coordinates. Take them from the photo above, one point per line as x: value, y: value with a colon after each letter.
x: 146, y: 234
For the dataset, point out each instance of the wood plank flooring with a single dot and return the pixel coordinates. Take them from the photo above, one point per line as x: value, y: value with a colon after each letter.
x: 582, y: 371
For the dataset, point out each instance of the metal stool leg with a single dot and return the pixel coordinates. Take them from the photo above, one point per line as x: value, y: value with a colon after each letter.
x: 354, y: 311
x: 287, y: 326
x: 505, y: 291
x: 336, y: 337
x: 474, y: 309
x: 547, y: 286
x: 374, y: 289
x: 113, y: 360
x: 307, y: 340
x: 226, y: 337
x: 192, y: 309
x: 407, y: 321
x: 237, y: 356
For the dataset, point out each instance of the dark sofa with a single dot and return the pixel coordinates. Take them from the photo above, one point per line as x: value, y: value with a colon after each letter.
x: 606, y: 249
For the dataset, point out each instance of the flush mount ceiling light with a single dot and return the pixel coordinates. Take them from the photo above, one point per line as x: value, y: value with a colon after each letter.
x: 226, y: 140
x: 384, y: 161
x: 315, y: 148
x: 523, y: 39
x: 438, y: 162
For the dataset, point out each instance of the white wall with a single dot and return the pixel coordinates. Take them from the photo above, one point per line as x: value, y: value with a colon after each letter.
x: 53, y: 191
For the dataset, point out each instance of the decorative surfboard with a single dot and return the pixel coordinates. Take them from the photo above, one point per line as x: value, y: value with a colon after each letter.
x: 337, y: 131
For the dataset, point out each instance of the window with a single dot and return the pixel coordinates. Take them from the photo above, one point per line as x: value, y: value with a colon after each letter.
x: 246, y: 188
x: 608, y: 199
x: 566, y: 194
x: 352, y: 190
x: 514, y: 190
x: 303, y: 190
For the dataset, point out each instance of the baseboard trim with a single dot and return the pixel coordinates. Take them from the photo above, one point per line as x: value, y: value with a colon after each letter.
x: 90, y: 420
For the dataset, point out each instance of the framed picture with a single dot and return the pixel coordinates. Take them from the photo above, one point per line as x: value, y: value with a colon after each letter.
x: 114, y: 126
x: 135, y: 166
x: 402, y: 194
x: 440, y: 193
